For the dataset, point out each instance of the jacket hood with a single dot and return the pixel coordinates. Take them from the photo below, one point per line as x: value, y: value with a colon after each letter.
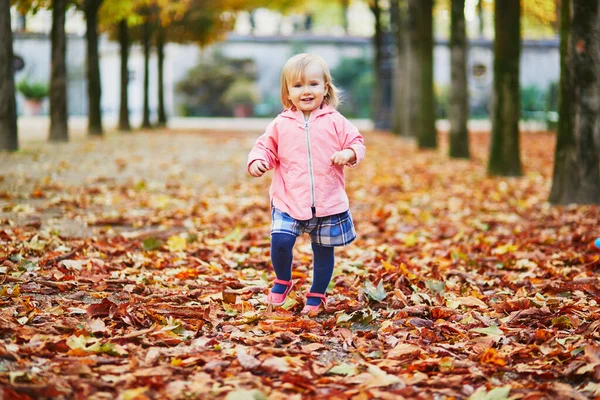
x: 298, y: 116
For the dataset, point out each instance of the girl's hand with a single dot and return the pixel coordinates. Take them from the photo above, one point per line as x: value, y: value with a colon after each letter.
x: 343, y: 157
x: 258, y: 168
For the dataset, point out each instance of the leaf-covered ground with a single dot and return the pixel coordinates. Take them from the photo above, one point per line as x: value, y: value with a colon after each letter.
x: 137, y: 267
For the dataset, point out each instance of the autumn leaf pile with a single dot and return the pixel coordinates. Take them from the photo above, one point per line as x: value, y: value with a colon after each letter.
x: 459, y: 285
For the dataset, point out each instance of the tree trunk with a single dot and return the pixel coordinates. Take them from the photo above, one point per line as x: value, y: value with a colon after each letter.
x: 576, y: 176
x: 427, y: 137
x: 414, y: 69
x: 504, y: 155
x: 124, y: 124
x: 377, y: 101
x: 58, y: 75
x: 480, y: 18
x: 91, y: 8
x: 22, y: 22
x: 8, y: 109
x: 345, y: 5
x: 556, y: 25
x: 160, y: 50
x: 459, y: 100
x: 398, y: 9
x: 146, y: 44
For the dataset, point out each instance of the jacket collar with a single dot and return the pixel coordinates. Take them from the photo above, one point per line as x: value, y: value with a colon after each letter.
x: 298, y: 116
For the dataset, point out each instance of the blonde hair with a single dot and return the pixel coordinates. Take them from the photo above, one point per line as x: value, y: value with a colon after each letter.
x: 294, y: 69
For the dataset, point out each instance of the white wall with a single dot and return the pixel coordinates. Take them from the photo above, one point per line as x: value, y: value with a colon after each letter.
x: 539, y: 65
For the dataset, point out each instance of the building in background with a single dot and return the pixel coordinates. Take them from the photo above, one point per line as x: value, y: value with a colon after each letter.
x: 272, y: 41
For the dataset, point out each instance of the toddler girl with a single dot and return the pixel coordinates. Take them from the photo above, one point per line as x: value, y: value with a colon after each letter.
x: 308, y: 145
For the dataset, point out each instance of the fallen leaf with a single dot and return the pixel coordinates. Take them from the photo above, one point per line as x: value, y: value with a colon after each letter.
x: 243, y: 394
x: 489, y: 331
x: 404, y: 349
x: 499, y: 393
x: 376, y: 293
x: 247, y: 361
x: 176, y: 243
x: 344, y: 369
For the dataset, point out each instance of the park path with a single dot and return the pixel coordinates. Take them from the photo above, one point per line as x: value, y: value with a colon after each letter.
x: 196, y: 159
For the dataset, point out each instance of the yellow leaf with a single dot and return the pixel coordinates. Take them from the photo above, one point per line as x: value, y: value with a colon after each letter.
x: 387, y: 266
x: 132, y: 394
x: 410, y: 240
x: 507, y: 248
x: 16, y: 292
x: 162, y: 201
x: 406, y: 272
x: 176, y: 243
x: 176, y: 362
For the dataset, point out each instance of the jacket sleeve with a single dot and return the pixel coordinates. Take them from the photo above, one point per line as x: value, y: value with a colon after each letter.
x: 265, y: 148
x: 352, y: 139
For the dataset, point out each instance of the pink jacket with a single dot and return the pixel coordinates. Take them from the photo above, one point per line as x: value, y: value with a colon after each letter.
x: 300, y: 152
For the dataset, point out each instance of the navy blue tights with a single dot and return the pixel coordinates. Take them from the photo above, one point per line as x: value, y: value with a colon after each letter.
x: 282, y: 245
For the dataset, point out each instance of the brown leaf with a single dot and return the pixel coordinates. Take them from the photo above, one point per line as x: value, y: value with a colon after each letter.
x: 404, y: 349
x: 101, y: 309
x: 471, y: 301
x: 442, y: 312
x: 309, y: 348
x: 154, y: 371
x: 592, y: 353
x: 246, y: 361
x: 97, y: 325
x: 229, y: 296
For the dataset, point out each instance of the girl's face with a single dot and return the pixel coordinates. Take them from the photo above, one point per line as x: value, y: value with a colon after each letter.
x: 307, y: 93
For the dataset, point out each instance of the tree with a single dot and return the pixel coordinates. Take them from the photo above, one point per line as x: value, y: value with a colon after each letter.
x: 91, y: 9
x: 459, y: 97
x: 146, y: 45
x: 427, y: 137
x: 576, y: 177
x: 377, y: 99
x: 124, y: 124
x: 159, y: 22
x: 414, y: 69
x: 120, y: 14
x: 8, y: 108
x: 168, y: 13
x: 504, y: 154
x: 58, y: 75
x: 58, y: 65
x: 399, y: 24
x: 480, y: 18
x: 345, y: 5
x: 182, y: 22
x: 160, y: 53
x: 200, y: 22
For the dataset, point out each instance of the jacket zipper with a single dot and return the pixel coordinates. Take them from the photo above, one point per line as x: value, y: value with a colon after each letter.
x: 310, y: 164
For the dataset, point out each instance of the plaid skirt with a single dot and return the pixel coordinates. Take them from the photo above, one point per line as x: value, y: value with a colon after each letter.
x: 330, y: 231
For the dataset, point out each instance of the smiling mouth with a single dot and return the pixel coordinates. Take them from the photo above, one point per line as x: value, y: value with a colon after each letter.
x: 308, y: 99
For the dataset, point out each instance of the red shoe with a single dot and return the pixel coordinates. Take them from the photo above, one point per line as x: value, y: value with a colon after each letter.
x: 312, y: 310
x: 277, y: 299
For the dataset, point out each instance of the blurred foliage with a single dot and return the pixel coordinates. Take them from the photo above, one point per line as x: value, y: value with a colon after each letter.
x: 206, y: 88
x: 533, y: 99
x: 354, y: 77
x: 242, y: 92
x: 442, y: 100
x: 539, y: 104
x: 33, y: 90
x: 552, y: 97
x: 539, y: 17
